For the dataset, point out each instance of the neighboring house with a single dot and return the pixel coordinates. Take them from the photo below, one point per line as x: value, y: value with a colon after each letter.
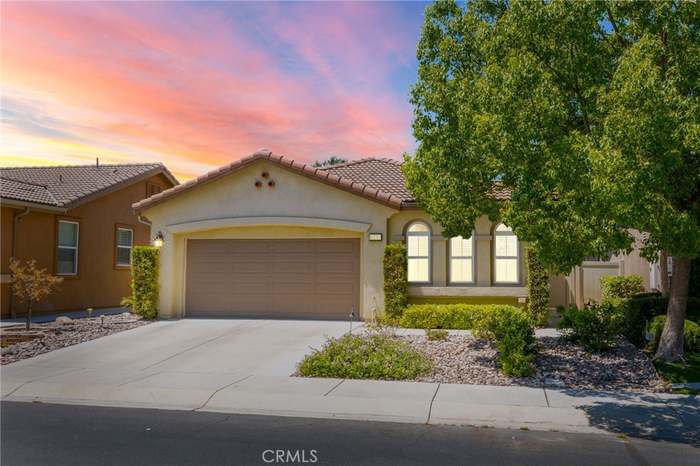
x: 77, y: 222
x: 269, y: 237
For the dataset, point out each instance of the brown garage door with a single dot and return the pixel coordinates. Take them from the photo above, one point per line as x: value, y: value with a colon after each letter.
x: 294, y: 278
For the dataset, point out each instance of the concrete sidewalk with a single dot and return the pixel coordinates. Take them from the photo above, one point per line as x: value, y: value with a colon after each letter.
x: 244, y: 367
x: 655, y: 416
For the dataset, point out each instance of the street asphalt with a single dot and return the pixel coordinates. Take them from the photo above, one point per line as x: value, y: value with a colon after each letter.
x: 46, y: 434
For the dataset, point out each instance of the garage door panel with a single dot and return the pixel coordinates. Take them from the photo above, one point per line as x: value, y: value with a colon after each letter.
x: 289, y: 278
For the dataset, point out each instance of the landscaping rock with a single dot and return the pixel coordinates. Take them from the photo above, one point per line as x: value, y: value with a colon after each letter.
x: 559, y: 363
x: 55, y: 335
x: 63, y: 320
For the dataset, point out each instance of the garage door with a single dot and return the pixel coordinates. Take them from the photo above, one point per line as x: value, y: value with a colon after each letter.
x: 295, y: 278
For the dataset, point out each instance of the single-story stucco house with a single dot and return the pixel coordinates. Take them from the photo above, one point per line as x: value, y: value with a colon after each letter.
x: 266, y: 236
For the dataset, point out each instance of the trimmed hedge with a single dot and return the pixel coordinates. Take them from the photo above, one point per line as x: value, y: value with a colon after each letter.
x: 621, y: 286
x: 449, y: 316
x: 537, y: 289
x: 144, y: 281
x: 509, y: 326
x: 691, y: 333
x: 395, y: 265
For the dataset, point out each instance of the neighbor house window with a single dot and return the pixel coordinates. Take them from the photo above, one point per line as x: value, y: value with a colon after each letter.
x: 125, y: 241
x: 506, y: 268
x: 418, y: 245
x: 462, y: 260
x: 67, y: 253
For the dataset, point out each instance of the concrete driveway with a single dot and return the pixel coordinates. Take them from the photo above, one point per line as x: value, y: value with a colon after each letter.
x: 244, y: 366
x: 178, y: 364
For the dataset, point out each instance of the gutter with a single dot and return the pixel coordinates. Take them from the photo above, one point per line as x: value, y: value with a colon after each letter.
x: 16, y: 218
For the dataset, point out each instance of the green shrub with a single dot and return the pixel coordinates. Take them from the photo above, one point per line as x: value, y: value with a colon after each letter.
x: 692, y: 311
x: 537, y: 289
x: 436, y: 334
x: 636, y: 314
x: 448, y: 316
x: 509, y: 326
x: 374, y: 356
x: 691, y: 333
x: 144, y: 281
x: 597, y: 326
x: 395, y: 279
x: 621, y: 286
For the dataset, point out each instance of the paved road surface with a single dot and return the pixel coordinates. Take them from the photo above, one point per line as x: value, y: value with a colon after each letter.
x: 45, y: 434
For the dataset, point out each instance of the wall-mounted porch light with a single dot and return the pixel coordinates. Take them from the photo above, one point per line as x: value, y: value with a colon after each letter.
x: 158, y: 240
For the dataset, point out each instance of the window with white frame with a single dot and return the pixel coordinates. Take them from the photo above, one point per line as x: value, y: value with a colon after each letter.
x: 418, y: 248
x: 67, y: 248
x: 506, y: 267
x: 462, y: 260
x: 125, y: 241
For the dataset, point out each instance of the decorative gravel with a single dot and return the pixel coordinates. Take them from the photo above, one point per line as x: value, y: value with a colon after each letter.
x: 559, y: 363
x: 55, y: 335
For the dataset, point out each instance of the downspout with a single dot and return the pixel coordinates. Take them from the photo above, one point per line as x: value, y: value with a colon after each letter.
x: 143, y: 220
x: 15, y: 222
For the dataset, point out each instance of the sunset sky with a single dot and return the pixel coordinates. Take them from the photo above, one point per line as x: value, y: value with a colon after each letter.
x: 197, y: 85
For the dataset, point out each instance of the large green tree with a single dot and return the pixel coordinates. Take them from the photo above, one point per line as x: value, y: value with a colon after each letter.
x: 586, y: 112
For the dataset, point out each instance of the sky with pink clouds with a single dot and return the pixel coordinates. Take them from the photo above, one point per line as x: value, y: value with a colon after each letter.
x: 197, y: 85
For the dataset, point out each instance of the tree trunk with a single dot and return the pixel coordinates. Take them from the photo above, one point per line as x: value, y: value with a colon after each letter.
x: 671, y: 343
x: 29, y: 314
x: 663, y: 272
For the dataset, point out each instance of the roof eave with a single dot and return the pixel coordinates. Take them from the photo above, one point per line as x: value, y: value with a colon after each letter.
x: 8, y: 202
x: 116, y: 187
x: 305, y: 170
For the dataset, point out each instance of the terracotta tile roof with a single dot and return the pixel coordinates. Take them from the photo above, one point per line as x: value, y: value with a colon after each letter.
x: 384, y: 195
x: 68, y: 186
x: 380, y: 180
x: 381, y: 174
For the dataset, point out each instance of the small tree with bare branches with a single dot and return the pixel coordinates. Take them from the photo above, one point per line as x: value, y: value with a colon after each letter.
x: 31, y: 284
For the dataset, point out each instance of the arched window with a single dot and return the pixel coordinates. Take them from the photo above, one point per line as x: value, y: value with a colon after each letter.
x: 506, y: 267
x: 462, y: 260
x: 418, y: 248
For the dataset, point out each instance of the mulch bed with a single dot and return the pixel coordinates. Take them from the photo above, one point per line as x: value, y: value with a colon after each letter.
x: 18, y: 344
x: 559, y: 363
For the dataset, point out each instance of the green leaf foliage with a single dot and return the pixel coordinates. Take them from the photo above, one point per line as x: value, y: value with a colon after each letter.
x: 395, y: 266
x: 537, y: 289
x: 621, y: 286
x: 588, y: 113
x: 509, y: 326
x: 144, y: 281
x: 597, y: 326
x: 691, y: 333
x: 373, y: 356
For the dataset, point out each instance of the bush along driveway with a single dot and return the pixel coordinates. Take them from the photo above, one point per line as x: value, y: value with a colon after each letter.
x: 501, y: 350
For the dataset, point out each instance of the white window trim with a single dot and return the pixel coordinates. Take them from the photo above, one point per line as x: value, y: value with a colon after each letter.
x: 75, y: 248
x: 497, y: 233
x: 130, y: 247
x: 430, y: 247
x: 451, y: 257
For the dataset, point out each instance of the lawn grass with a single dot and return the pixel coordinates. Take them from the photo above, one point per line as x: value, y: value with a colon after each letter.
x: 677, y: 373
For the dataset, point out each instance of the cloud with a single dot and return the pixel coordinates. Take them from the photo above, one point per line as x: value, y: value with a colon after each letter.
x: 199, y: 85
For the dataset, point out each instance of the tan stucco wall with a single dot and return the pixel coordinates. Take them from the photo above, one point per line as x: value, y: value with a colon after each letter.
x: 232, y: 207
x: 440, y: 259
